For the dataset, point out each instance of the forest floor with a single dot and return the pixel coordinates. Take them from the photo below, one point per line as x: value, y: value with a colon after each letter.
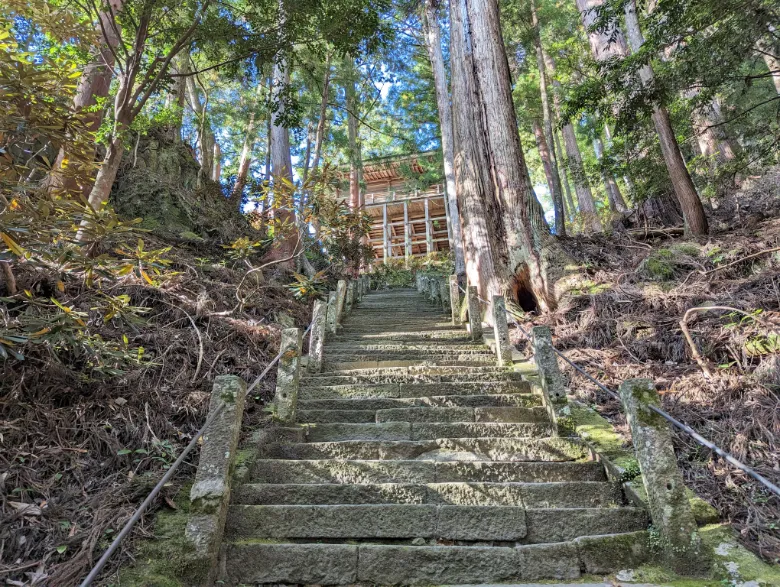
x: 622, y: 320
x: 85, y: 450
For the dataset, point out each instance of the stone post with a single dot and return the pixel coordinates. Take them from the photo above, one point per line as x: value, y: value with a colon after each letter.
x: 332, y: 317
x: 475, y: 313
x: 210, y: 494
x: 288, y: 375
x: 341, y: 298
x: 444, y: 293
x: 551, y: 377
x: 670, y: 509
x: 455, y: 300
x: 350, y: 303
x: 433, y: 289
x: 317, y: 336
x: 501, y: 332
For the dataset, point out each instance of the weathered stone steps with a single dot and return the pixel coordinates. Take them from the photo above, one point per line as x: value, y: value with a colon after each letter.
x: 315, y: 389
x: 425, y: 414
x: 579, y: 494
x: 444, y: 374
x: 424, y: 471
x: 425, y: 430
x: 441, y: 449
x: 384, y: 564
x: 471, y: 401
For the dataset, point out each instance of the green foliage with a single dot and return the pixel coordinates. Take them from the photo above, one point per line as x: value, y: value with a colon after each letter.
x: 314, y: 287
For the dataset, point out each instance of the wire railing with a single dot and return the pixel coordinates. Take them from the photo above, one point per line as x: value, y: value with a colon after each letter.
x: 665, y: 415
x: 127, y: 528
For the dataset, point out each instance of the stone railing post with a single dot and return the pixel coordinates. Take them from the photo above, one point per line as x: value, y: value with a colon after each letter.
x: 359, y: 289
x: 288, y: 375
x: 475, y: 313
x: 332, y: 315
x: 210, y: 494
x: 418, y: 281
x: 669, y: 507
x: 317, y: 336
x: 455, y: 300
x: 551, y: 377
x: 350, y: 303
x: 444, y: 293
x: 501, y: 332
x: 341, y: 298
x: 433, y: 289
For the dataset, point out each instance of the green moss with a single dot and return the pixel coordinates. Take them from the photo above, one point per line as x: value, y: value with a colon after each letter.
x: 690, y: 249
x: 703, y: 512
x: 660, y: 265
x: 733, y: 562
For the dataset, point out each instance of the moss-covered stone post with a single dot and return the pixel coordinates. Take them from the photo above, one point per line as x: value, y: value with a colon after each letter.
x: 501, y: 332
x: 317, y: 336
x: 359, y: 289
x: 350, y: 303
x: 341, y: 299
x: 288, y: 375
x: 332, y: 318
x: 670, y: 509
x: 475, y: 313
x: 444, y: 293
x: 210, y: 494
x: 433, y: 290
x: 551, y: 377
x: 418, y: 280
x: 454, y: 300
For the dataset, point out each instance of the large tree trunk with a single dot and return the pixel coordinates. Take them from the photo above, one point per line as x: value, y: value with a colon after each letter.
x: 693, y: 211
x: 323, y: 120
x: 433, y: 43
x: 551, y: 165
x: 281, y: 167
x: 94, y: 84
x: 771, y: 57
x: 176, y: 97
x: 482, y: 227
x: 245, y: 161
x: 216, y: 168
x: 564, y: 177
x: 507, y: 162
x: 713, y: 143
x: 206, y: 138
x: 353, y: 135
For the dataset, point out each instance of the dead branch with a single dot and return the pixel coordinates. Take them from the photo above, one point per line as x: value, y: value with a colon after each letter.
x: 10, y: 280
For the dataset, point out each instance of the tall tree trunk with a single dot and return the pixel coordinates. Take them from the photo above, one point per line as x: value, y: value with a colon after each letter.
x: 553, y: 177
x: 713, y: 143
x: 616, y: 201
x: 94, y: 84
x: 216, y: 169
x: 564, y: 177
x: 281, y: 167
x: 436, y: 56
x: 323, y: 120
x: 585, y: 200
x: 693, y: 211
x: 353, y: 135
x: 245, y: 161
x: 544, y: 155
x: 481, y: 218
x: 771, y: 57
x: 205, y: 135
x: 176, y: 97
x: 507, y: 162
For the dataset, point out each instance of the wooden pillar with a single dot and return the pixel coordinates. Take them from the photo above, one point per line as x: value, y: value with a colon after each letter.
x: 428, y: 229
x: 407, y: 234
x: 385, y: 240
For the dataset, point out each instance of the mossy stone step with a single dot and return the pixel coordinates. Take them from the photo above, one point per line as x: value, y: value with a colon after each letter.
x: 471, y: 401
x: 461, y: 348
x: 389, y: 564
x: 580, y: 494
x: 383, y: 362
x: 314, y: 389
x: 440, y: 449
x: 411, y: 375
x: 425, y: 414
x: 443, y: 522
x: 411, y: 471
x: 424, y: 430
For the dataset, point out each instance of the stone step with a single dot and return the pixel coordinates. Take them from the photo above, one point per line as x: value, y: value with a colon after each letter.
x: 410, y: 336
x: 463, y: 341
x: 314, y: 389
x: 461, y: 348
x: 342, y: 364
x: 579, y: 494
x: 453, y: 401
x: 425, y: 414
x: 411, y: 471
x: 442, y: 522
x: 425, y: 430
x: 392, y: 564
x: 440, y: 449
x: 411, y: 375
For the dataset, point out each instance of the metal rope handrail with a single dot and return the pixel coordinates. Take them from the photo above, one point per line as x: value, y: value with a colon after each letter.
x: 96, y: 570
x: 666, y: 416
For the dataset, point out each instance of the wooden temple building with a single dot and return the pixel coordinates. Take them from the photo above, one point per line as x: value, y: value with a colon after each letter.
x: 405, y: 222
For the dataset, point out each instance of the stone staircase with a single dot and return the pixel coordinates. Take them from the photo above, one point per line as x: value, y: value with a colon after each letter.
x: 417, y: 461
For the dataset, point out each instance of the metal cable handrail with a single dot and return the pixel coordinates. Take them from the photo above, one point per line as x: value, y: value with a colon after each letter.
x: 96, y: 570
x: 668, y: 417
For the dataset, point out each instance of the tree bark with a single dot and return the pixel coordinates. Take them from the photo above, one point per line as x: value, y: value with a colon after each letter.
x: 551, y: 165
x: 322, y: 122
x: 482, y: 227
x: 770, y: 55
x: 250, y: 136
x: 353, y: 136
x: 94, y: 84
x: 693, y: 211
x: 216, y: 169
x: 564, y: 177
x: 435, y: 54
x: 507, y: 162
x: 176, y: 97
x: 616, y: 201
x: 206, y: 139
